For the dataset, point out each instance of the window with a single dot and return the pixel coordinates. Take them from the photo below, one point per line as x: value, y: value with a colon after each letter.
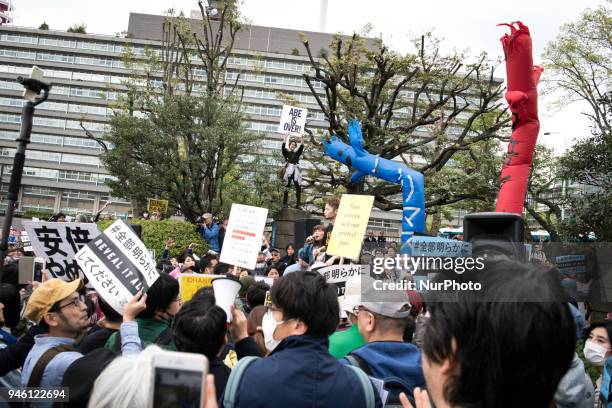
x: 47, y: 56
x: 43, y: 156
x: 49, y: 122
x: 18, y: 38
x: 17, y: 54
x: 8, y: 118
x: 39, y: 191
x: 57, y: 42
x: 80, y: 159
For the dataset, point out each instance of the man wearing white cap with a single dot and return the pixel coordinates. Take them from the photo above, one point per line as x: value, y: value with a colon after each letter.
x: 343, y: 342
x: 210, y: 232
x: 386, y: 355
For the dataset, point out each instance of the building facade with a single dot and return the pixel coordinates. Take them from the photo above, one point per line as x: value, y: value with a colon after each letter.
x: 63, y: 170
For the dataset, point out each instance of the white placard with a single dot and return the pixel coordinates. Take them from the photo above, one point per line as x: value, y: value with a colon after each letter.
x: 242, y: 240
x: 117, y: 265
x: 57, y: 243
x: 339, y: 274
x: 293, y: 120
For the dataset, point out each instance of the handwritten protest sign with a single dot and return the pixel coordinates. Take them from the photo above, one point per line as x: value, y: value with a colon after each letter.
x: 351, y: 223
x: 293, y: 120
x: 57, y: 243
x: 571, y: 263
x: 339, y: 274
x: 439, y: 247
x: 158, y: 206
x: 242, y: 240
x: 190, y: 283
x: 117, y: 265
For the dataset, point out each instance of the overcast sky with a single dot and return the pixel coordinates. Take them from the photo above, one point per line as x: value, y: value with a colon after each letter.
x: 464, y: 24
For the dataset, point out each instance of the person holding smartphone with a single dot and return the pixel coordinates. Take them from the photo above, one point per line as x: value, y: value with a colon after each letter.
x: 209, y: 231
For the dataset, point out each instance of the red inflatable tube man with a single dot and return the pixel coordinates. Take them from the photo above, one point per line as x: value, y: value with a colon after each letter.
x: 522, y: 96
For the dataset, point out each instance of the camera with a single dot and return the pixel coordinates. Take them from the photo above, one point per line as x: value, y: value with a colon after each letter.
x: 200, y: 220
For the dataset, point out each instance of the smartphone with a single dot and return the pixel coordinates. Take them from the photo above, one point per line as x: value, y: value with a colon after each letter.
x: 178, y: 379
x: 26, y: 270
x: 39, y: 266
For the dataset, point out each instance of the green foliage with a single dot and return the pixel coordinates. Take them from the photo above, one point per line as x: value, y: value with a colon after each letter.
x: 295, y: 51
x: 43, y: 26
x: 78, y: 28
x: 155, y: 234
x: 179, y: 134
x: 43, y: 215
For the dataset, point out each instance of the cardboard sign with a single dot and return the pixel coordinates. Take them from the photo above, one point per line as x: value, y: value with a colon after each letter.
x: 293, y: 120
x: 351, y: 223
x: 158, y: 206
x: 339, y: 274
x: 242, y: 240
x: 571, y: 263
x: 117, y: 265
x: 192, y: 282
x: 439, y: 247
x: 58, y: 242
x: 264, y: 279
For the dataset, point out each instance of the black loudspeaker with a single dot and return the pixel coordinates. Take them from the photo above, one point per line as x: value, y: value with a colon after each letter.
x: 303, y: 228
x: 495, y: 233
x: 137, y: 228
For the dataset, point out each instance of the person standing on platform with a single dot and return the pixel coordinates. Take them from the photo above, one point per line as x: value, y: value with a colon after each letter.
x: 292, y: 173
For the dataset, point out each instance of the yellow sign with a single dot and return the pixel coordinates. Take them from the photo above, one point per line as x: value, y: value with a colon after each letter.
x: 190, y: 283
x: 158, y: 206
x: 350, y: 225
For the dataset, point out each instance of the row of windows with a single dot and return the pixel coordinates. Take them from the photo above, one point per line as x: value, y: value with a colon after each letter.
x: 60, y: 74
x: 272, y: 64
x: 60, y: 107
x: 139, y: 50
x: 272, y: 95
x: 54, y: 157
x: 271, y: 79
x: 57, y: 123
x: 63, y: 175
x: 68, y: 43
x: 56, y: 140
x: 71, y: 194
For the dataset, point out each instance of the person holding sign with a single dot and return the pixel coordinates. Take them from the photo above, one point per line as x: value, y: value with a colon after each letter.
x: 292, y: 172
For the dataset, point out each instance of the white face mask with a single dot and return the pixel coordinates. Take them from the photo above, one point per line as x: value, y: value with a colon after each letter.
x: 595, y: 353
x: 268, y: 326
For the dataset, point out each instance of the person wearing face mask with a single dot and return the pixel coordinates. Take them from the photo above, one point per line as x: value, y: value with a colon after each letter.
x: 598, y: 350
x: 296, y: 327
x: 154, y: 323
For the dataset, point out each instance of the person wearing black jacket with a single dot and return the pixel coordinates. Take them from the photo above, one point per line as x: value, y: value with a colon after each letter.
x: 292, y: 172
x: 200, y: 327
x: 14, y: 355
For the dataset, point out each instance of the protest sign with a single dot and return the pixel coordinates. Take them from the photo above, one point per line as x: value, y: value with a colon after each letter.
x: 439, y: 247
x: 351, y: 223
x: 57, y: 243
x: 158, y: 206
x: 571, y: 263
x: 264, y: 279
x: 242, y: 240
x: 339, y: 274
x: 190, y: 283
x: 293, y: 120
x: 117, y: 265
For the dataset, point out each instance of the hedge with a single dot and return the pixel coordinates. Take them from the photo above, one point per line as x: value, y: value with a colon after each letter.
x: 155, y: 234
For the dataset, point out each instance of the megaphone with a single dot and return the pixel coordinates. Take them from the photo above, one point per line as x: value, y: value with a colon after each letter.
x: 226, y: 290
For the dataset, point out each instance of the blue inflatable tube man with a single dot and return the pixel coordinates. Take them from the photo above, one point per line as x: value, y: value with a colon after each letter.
x: 364, y: 163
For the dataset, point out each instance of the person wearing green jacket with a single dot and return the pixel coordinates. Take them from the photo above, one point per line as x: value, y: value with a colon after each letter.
x: 342, y: 343
x: 155, y: 322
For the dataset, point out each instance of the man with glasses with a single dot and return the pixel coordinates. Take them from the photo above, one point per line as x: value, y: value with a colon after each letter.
x: 57, y: 307
x: 304, y: 312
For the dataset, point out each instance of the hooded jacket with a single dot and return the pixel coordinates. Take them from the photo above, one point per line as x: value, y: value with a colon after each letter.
x: 575, y: 390
x: 392, y: 359
x: 300, y: 373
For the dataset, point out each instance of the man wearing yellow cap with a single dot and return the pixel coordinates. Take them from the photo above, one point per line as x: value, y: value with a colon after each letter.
x: 57, y: 307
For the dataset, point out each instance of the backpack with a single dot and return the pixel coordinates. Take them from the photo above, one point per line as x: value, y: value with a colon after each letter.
x: 231, y: 389
x: 164, y: 338
x: 391, y: 386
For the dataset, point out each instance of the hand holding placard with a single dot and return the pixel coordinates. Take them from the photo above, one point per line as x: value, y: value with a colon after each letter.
x: 351, y: 223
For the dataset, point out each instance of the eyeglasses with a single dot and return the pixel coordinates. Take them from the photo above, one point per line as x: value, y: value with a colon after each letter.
x: 76, y: 302
x: 358, y: 309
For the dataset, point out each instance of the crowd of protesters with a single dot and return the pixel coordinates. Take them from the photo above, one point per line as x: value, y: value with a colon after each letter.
x: 494, y: 348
